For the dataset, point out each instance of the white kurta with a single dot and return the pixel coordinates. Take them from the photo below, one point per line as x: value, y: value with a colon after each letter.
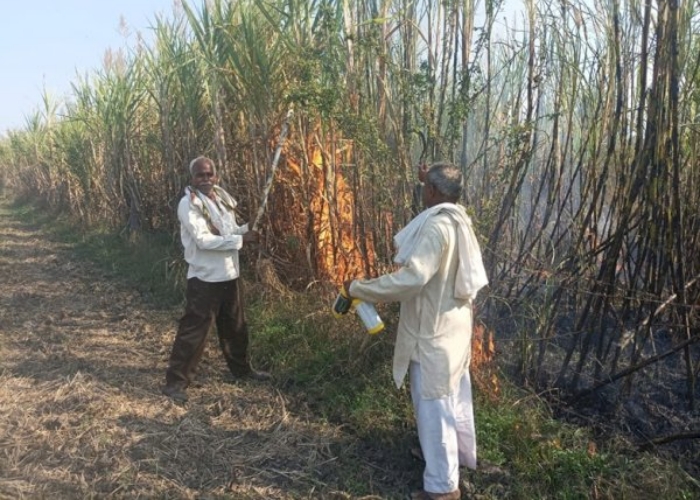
x: 435, y: 326
x: 211, y: 258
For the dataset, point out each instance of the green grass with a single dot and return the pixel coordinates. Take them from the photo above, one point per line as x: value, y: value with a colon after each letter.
x: 344, y: 376
x: 547, y: 458
x: 337, y: 368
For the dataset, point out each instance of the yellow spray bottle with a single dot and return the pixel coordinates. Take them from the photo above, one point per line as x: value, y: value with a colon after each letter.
x: 368, y: 314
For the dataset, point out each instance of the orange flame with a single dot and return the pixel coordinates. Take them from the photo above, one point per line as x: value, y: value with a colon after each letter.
x: 314, y: 214
x: 483, y: 362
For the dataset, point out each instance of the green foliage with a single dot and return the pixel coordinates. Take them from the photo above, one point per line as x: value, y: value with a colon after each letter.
x: 331, y: 364
x: 315, y: 86
x: 547, y: 458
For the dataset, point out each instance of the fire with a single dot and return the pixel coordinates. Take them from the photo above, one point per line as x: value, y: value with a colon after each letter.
x: 314, y: 207
x: 483, y: 361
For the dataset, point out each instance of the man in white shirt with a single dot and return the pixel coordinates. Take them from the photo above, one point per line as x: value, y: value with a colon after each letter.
x: 211, y: 239
x: 441, y: 272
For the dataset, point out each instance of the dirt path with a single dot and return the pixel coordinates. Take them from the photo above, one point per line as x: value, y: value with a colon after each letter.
x: 81, y: 416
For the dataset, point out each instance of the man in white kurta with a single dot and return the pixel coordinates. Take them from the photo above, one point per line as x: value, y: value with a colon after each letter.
x: 441, y: 272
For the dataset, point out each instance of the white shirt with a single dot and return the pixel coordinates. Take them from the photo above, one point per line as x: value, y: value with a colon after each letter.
x: 435, y: 326
x: 212, y: 258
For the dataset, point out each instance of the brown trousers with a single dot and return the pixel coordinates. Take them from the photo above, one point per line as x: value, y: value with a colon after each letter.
x: 208, y: 303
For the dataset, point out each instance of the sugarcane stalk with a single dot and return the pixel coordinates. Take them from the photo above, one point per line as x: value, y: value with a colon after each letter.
x: 275, y: 162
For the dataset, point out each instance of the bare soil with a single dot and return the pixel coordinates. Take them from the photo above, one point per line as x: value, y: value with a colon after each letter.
x: 81, y: 413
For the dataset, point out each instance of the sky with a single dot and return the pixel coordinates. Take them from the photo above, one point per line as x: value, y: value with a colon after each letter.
x: 45, y: 44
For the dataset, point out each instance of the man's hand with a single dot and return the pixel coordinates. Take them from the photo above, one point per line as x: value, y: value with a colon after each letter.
x: 251, y: 236
x: 422, y: 172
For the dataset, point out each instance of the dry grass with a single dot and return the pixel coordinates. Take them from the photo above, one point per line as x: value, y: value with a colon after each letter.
x: 81, y: 415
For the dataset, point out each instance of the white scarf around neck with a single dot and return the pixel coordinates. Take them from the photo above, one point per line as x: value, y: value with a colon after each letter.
x: 471, y: 274
x: 223, y: 219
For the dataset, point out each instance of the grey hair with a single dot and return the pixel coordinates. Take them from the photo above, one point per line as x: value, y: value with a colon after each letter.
x: 201, y: 159
x: 447, y: 179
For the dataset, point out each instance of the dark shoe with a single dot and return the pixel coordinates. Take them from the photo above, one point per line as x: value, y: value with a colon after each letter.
x: 255, y: 375
x: 176, y: 394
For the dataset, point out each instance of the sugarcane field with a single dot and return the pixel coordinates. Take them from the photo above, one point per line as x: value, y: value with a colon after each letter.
x: 354, y: 250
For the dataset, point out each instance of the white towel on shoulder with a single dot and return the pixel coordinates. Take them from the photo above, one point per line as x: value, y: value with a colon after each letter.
x: 471, y: 274
x: 221, y: 217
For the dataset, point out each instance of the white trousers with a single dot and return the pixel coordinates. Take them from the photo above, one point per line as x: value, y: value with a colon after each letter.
x: 446, y: 433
